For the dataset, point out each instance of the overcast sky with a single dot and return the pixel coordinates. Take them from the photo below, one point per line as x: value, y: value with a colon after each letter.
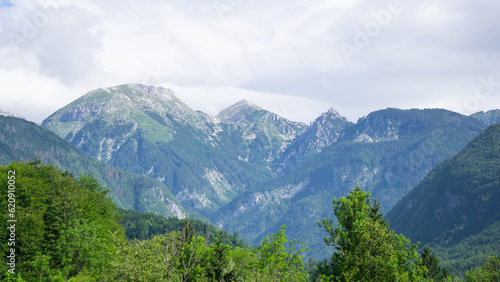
x: 294, y: 57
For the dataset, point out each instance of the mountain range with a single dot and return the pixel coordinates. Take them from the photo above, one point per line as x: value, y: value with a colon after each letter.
x: 248, y: 170
x: 23, y: 141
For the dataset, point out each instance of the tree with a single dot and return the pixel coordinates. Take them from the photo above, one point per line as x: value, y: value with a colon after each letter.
x: 219, y: 261
x: 490, y: 271
x: 431, y: 263
x: 366, y: 249
x: 279, y: 260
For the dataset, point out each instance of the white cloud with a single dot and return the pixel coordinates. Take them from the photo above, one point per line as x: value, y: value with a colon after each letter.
x: 32, y: 95
x: 212, y: 100
x: 428, y: 55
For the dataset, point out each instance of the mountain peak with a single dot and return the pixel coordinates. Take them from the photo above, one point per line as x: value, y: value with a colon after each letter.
x: 332, y: 111
x: 246, y: 103
x: 237, y: 112
x: 328, y: 116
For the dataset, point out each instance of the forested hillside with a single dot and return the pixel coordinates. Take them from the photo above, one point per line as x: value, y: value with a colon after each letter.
x: 387, y: 153
x: 62, y: 228
x: 250, y: 171
x: 66, y: 228
x: 455, y: 208
x: 146, y: 225
x: 21, y: 140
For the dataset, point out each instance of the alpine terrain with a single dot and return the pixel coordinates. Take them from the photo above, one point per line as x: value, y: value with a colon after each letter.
x: 455, y: 208
x: 249, y: 170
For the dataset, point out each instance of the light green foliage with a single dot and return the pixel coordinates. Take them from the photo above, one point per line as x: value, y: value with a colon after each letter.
x: 70, y: 232
x: 279, y: 260
x: 62, y: 222
x: 365, y: 248
x: 490, y: 271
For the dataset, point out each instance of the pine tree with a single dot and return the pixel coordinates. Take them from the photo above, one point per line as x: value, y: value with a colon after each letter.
x: 219, y: 261
x: 431, y: 262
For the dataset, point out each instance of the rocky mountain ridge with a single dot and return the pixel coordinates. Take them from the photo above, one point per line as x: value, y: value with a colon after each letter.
x: 249, y: 170
x: 23, y: 141
x: 205, y: 161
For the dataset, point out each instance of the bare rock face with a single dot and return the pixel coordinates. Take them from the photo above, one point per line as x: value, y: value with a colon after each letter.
x: 250, y: 170
x: 265, y: 133
x: 323, y: 132
x: 205, y: 161
x: 9, y: 114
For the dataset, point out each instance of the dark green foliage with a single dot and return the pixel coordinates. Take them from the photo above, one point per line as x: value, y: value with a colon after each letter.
x: 62, y: 222
x: 431, y: 262
x: 455, y: 208
x: 147, y: 225
x: 219, y: 261
x: 470, y: 252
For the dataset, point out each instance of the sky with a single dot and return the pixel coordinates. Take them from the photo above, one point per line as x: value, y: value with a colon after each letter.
x: 297, y: 58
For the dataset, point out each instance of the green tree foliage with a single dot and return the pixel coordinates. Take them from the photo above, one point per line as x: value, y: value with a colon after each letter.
x: 490, y: 271
x: 366, y: 249
x: 431, y: 263
x: 62, y: 222
x: 68, y: 229
x: 279, y: 260
x: 219, y: 261
x: 146, y: 225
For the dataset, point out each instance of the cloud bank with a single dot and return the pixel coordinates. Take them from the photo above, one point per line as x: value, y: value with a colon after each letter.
x: 297, y: 58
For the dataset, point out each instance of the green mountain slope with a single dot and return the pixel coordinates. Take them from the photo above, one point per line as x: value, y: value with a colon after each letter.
x: 205, y: 161
x: 455, y: 208
x: 387, y: 153
x: 23, y: 141
x: 489, y: 117
x: 249, y: 170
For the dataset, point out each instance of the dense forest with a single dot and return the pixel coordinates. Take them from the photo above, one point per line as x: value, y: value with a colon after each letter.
x: 454, y: 209
x: 58, y: 227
